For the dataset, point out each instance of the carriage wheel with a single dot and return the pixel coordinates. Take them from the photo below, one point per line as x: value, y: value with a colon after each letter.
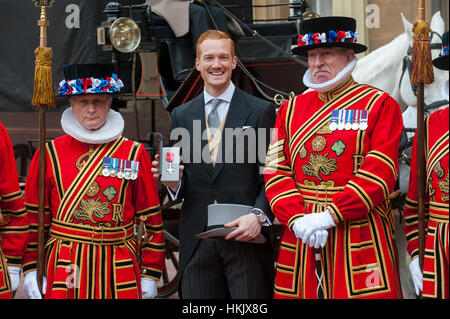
x: 23, y: 155
x: 167, y: 285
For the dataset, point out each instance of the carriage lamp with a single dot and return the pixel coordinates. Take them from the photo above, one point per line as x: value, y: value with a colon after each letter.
x: 125, y: 35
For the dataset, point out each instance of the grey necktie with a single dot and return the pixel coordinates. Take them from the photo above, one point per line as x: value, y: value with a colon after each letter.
x: 213, y: 117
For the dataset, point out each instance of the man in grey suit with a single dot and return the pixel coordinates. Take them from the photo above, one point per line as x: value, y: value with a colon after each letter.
x: 228, y: 172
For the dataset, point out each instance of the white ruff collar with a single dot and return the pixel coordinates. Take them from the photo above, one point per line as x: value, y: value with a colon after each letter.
x: 111, y: 130
x: 333, y: 83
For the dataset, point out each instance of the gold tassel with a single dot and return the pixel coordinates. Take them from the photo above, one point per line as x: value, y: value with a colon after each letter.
x: 421, y: 63
x: 43, y: 93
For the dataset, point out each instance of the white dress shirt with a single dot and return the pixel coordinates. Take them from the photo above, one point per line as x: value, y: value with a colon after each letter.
x: 223, y: 106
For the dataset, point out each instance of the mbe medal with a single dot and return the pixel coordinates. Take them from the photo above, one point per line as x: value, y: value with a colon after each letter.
x: 169, y: 158
x: 120, y: 172
x: 127, y: 174
x: 355, y: 124
x: 341, y: 120
x: 334, y: 120
x: 348, y: 116
x: 363, y: 119
x: 170, y: 164
x: 106, y: 166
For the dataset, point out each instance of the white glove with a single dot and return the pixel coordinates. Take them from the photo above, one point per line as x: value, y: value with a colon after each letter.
x: 30, y: 285
x: 149, y: 289
x: 14, y: 276
x: 310, y: 223
x: 416, y: 274
x: 318, y: 239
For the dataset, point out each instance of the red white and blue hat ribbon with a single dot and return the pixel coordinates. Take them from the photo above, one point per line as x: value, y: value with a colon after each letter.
x: 328, y: 37
x: 444, y: 51
x: 90, y: 86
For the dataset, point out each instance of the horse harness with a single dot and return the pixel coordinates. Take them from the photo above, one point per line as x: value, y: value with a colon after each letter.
x: 407, y: 66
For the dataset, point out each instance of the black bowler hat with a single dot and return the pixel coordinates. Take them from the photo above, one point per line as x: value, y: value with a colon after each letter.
x: 82, y: 79
x: 221, y: 214
x: 441, y: 62
x: 328, y: 32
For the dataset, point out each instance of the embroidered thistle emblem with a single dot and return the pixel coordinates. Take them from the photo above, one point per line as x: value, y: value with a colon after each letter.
x: 338, y: 147
x: 91, y: 207
x: 110, y: 192
x: 320, y: 164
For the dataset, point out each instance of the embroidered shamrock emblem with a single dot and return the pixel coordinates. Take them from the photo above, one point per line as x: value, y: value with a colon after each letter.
x: 338, y: 147
x: 110, y: 192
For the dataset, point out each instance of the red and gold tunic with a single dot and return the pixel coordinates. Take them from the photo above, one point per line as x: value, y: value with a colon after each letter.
x: 13, y: 215
x: 90, y: 219
x: 435, y: 265
x: 352, y: 172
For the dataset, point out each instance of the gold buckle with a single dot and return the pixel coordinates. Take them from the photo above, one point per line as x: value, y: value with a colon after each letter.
x: 318, y: 204
x: 94, y: 231
x: 124, y: 234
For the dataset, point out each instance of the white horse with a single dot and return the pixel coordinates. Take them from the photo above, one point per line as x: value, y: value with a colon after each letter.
x: 382, y: 67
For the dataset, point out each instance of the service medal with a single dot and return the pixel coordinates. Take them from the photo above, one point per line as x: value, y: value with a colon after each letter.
x: 348, y: 115
x: 115, y: 167
x: 106, y: 166
x: 120, y: 172
x: 134, y: 174
x: 127, y: 174
x: 334, y: 120
x: 341, y: 124
x: 355, y: 124
x: 363, y: 119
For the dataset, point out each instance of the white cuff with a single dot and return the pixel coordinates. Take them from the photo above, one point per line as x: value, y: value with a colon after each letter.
x: 172, y: 195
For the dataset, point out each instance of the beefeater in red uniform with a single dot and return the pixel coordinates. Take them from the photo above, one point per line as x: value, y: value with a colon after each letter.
x: 330, y: 170
x: 98, y: 188
x: 433, y: 281
x: 13, y: 219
